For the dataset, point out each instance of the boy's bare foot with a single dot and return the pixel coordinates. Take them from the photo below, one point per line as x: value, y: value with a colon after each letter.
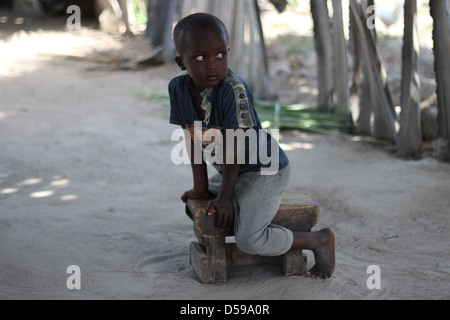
x: 324, y: 256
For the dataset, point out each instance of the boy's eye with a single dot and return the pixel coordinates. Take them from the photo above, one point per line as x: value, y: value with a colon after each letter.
x: 219, y: 56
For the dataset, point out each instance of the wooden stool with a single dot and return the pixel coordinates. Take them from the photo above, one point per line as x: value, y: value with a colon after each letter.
x: 210, y: 256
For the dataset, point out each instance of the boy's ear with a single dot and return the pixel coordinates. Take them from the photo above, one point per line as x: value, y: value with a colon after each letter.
x: 180, y: 63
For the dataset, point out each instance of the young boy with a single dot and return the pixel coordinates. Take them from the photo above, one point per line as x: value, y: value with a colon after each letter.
x: 210, y: 95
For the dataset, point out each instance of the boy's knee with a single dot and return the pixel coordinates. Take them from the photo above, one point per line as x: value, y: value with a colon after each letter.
x: 269, y: 242
x: 248, y: 245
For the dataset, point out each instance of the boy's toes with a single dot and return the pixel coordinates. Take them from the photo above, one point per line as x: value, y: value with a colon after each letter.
x: 318, y: 273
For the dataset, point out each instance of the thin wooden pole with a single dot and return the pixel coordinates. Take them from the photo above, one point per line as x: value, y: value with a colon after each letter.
x: 441, y: 36
x: 340, y: 59
x: 410, y: 133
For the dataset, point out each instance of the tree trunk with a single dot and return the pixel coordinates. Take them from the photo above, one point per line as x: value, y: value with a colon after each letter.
x: 324, y: 50
x: 161, y: 14
x: 410, y: 134
x: 384, y: 114
x: 340, y: 59
x: 360, y: 92
x: 266, y: 88
x: 439, y: 10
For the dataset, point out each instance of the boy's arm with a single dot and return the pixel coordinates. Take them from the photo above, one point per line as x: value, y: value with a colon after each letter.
x: 200, y: 176
x: 223, y: 204
x: 199, y: 173
x: 230, y: 173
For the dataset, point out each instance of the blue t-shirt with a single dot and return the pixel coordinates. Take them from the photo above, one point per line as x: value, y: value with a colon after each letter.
x: 227, y: 106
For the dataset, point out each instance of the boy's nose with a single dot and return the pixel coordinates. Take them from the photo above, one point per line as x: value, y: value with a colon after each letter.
x: 212, y: 64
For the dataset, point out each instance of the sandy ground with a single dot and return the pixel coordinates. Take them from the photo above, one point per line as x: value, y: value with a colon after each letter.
x: 86, y: 179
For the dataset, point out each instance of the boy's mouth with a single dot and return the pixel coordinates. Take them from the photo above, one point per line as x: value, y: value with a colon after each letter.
x: 213, y: 77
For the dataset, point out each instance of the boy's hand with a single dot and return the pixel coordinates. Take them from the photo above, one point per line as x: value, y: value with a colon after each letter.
x: 224, y: 210
x: 191, y: 194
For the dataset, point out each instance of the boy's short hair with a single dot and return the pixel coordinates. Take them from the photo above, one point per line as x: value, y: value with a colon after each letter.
x: 193, y: 22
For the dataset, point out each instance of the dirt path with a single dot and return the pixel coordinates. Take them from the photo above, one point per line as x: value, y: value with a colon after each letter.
x: 86, y: 179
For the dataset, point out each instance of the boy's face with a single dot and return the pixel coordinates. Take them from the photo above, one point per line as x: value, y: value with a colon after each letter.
x: 205, y: 57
